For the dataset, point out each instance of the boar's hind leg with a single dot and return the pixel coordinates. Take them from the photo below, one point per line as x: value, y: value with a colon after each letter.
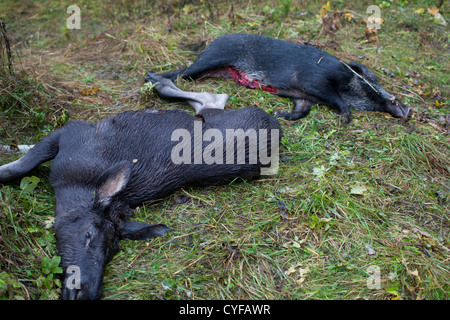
x: 43, y: 151
x: 172, y: 75
x: 193, y: 72
x: 205, y: 66
x: 300, y: 110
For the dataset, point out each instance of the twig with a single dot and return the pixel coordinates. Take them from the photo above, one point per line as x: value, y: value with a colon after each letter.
x: 359, y: 76
x: 354, y: 13
x: 6, y: 131
x: 7, y: 47
x: 198, y: 198
x: 421, y: 249
x: 190, y: 264
x: 139, y: 254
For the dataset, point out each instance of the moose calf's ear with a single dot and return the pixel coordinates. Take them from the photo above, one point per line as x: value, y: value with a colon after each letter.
x: 111, y: 182
x: 141, y: 231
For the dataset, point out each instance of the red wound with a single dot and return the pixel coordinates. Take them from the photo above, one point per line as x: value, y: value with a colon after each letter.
x: 242, y: 79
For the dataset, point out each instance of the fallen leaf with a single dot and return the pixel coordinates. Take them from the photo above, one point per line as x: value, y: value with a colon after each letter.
x: 49, y: 222
x: 348, y: 16
x: 283, y: 209
x: 371, y: 34
x: 298, y: 270
x: 253, y: 24
x: 333, y: 159
x: 319, y: 172
x: 420, y: 11
x: 439, y: 19
x: 370, y: 251
x: 303, y: 273
x: 358, y: 189
x: 393, y: 291
x: 325, y: 8
x: 89, y: 92
x: 433, y: 10
x: 288, y: 189
x: 375, y: 22
x: 296, y: 243
x: 290, y: 271
x: 414, y: 273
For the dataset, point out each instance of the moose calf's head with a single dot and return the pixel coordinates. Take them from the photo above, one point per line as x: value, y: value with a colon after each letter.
x: 89, y: 224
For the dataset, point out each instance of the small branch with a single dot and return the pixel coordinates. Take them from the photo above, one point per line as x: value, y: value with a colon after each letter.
x: 140, y: 253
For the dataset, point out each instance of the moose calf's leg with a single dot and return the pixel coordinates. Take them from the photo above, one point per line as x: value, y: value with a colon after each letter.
x: 43, y: 151
x: 198, y: 100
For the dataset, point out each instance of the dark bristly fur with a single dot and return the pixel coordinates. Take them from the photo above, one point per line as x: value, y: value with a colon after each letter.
x: 302, y: 73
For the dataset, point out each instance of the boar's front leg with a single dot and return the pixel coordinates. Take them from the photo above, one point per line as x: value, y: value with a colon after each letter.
x: 302, y: 108
x: 344, y: 109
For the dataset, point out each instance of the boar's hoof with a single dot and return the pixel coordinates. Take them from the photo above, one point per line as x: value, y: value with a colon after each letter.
x: 345, y: 117
x: 290, y: 116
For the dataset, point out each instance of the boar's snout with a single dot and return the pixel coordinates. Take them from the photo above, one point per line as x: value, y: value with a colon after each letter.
x: 397, y: 109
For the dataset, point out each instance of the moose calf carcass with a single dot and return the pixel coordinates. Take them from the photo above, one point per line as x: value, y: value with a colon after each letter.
x: 101, y: 171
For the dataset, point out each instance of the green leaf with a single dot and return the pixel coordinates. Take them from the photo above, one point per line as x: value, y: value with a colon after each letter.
x: 45, y: 265
x: 54, y: 264
x: 51, y: 266
x: 393, y: 290
x: 48, y: 283
x: 319, y: 172
x: 28, y: 184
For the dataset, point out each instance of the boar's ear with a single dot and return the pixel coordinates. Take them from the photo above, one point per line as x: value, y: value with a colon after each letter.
x: 362, y: 70
x: 357, y: 67
x: 111, y: 182
x: 141, y: 231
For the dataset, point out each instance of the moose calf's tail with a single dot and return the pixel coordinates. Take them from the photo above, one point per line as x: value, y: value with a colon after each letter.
x: 43, y: 151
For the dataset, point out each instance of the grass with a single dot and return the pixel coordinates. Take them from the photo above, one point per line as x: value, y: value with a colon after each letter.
x: 347, y: 200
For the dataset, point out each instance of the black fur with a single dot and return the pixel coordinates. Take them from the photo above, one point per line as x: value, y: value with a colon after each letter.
x: 101, y: 171
x: 302, y: 73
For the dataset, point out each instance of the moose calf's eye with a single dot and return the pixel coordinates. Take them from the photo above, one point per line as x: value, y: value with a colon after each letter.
x: 87, y: 237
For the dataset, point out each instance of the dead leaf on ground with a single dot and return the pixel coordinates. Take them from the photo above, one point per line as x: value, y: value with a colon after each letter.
x: 89, y: 91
